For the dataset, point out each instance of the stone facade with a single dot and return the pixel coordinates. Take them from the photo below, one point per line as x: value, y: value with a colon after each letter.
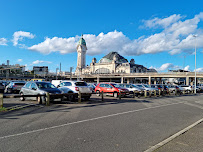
x: 111, y: 63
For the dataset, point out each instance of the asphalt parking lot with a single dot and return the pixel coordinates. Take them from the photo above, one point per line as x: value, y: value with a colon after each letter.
x: 112, y: 125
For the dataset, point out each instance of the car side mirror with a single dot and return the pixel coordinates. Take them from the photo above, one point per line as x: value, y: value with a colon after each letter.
x: 34, y: 88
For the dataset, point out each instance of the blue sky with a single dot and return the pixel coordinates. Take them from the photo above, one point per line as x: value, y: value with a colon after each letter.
x: 157, y: 34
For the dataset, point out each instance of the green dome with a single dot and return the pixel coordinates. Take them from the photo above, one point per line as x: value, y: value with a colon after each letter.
x: 82, y: 41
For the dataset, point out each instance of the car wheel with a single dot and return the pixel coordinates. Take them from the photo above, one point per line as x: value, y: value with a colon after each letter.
x: 39, y: 100
x: 115, y: 94
x: 87, y: 98
x: 22, y: 98
x: 71, y: 97
x: 98, y: 93
x: 9, y: 91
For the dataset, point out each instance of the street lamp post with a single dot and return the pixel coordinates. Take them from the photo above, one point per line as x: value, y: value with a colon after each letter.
x: 195, y: 64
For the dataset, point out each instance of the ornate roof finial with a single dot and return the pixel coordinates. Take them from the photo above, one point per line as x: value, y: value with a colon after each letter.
x: 82, y: 35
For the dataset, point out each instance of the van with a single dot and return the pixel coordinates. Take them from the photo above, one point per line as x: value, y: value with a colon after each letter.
x: 56, y: 82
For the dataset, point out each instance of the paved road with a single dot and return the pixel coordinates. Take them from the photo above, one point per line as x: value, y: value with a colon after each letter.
x: 127, y: 125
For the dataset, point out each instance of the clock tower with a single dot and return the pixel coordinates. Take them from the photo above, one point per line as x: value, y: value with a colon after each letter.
x: 81, y: 59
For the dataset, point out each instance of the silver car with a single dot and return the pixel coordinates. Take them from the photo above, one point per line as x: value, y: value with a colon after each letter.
x: 38, y: 88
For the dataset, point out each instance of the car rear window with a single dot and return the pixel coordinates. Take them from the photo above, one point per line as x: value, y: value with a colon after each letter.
x: 80, y: 84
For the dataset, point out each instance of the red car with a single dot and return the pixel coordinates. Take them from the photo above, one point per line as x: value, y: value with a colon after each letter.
x: 111, y: 88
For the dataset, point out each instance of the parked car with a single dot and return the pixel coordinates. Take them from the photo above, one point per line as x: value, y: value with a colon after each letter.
x: 198, y: 88
x: 38, y: 88
x: 132, y: 88
x: 111, y: 88
x: 14, y: 86
x: 157, y: 86
x: 92, y: 86
x: 56, y: 82
x: 75, y: 87
x: 37, y: 80
x: 4, y: 82
x: 172, y: 88
x: 146, y: 87
x: 187, y: 88
x: 2, y: 87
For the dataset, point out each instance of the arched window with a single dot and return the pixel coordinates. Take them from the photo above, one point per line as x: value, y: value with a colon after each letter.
x: 102, y: 71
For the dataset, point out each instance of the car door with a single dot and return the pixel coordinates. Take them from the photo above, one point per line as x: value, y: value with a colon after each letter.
x: 109, y: 88
x: 33, y: 90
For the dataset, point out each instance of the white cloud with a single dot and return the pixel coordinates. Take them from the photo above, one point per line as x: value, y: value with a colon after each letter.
x: 176, y: 37
x: 187, y: 68
x: 39, y: 62
x: 19, y: 35
x: 199, y: 69
x: 165, y: 66
x: 3, y: 41
x: 20, y: 60
x: 165, y: 22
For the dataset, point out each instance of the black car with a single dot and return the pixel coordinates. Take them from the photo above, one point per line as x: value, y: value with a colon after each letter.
x: 14, y: 86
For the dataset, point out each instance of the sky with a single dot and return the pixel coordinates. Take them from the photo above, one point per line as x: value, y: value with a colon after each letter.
x: 157, y: 34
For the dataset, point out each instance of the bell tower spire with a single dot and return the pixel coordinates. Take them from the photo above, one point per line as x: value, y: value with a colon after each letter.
x: 81, y: 58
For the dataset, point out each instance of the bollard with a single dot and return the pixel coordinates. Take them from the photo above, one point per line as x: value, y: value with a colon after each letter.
x: 47, y: 99
x: 155, y: 93
x: 150, y: 93
x: 145, y: 93
x: 1, y: 100
x: 134, y: 94
x: 79, y: 97
x: 183, y: 91
x: 102, y: 96
x: 119, y: 94
x: 169, y: 92
x: 159, y: 92
x: 175, y: 91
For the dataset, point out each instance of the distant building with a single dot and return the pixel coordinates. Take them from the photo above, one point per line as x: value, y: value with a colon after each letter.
x: 11, y: 69
x: 40, y: 70
x: 111, y: 63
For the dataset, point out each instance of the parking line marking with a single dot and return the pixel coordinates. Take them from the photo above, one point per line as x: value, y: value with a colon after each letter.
x: 153, y: 148
x: 193, y: 105
x: 92, y: 119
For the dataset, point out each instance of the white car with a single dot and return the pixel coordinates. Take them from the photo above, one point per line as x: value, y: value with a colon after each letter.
x: 187, y: 88
x: 76, y: 87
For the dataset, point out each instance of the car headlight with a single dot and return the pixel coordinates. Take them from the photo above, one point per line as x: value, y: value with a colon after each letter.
x: 41, y: 92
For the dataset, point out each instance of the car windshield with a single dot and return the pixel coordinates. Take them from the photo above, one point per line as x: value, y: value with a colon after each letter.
x: 116, y: 85
x: 80, y: 83
x: 135, y: 86
x: 19, y: 83
x: 146, y: 86
x: 45, y: 85
x: 140, y: 86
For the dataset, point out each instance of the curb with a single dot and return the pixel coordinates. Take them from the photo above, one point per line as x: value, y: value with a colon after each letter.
x: 173, y: 136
